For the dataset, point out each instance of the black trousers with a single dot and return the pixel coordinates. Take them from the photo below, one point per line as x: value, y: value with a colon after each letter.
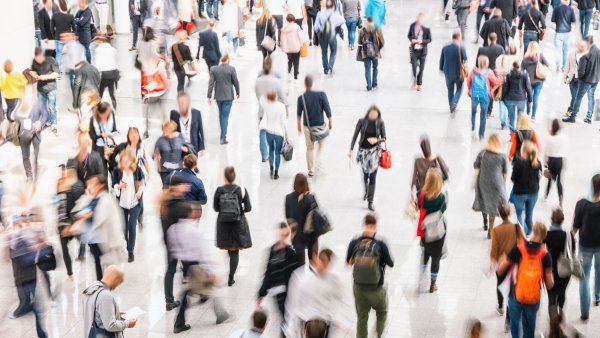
x: 311, y: 244
x: 310, y: 20
x: 294, y: 60
x: 64, y: 244
x: 110, y: 84
x: 417, y: 60
x: 279, y: 22
x: 97, y: 253
x: 136, y: 24
x: 555, y: 165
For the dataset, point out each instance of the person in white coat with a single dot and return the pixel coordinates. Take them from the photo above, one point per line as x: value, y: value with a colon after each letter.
x: 231, y: 23
x: 274, y: 124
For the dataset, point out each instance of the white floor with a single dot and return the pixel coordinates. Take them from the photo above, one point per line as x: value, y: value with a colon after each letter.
x: 465, y: 289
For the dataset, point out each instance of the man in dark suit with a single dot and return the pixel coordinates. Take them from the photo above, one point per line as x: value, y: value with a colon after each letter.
x: 209, y: 42
x: 83, y: 21
x: 492, y: 51
x: 497, y: 24
x: 137, y: 8
x: 419, y: 37
x: 508, y: 8
x: 189, y: 122
x: 46, y: 28
x: 453, y: 56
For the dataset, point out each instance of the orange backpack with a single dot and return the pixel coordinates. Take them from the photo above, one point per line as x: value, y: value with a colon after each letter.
x: 528, y: 284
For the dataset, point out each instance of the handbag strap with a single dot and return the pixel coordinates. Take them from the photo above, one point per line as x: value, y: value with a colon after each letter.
x: 567, y: 251
x: 305, y: 111
x: 94, y: 324
x: 533, y: 22
x: 177, y: 53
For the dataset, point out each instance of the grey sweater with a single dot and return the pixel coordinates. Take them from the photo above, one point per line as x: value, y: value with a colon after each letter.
x: 107, y: 311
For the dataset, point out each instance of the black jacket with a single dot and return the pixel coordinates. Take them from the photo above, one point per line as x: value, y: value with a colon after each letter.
x: 426, y: 37
x: 508, y: 7
x: 233, y: 235
x: 298, y: 210
x: 62, y: 23
x: 92, y: 165
x: 209, y: 41
x: 517, y: 86
x: 269, y: 25
x: 530, y: 64
x: 361, y: 127
x: 280, y: 265
x: 492, y: 51
x: 138, y: 178
x: 196, y: 128
x: 588, y: 4
x: 525, y: 177
x: 143, y: 7
x: 46, y: 24
x: 589, y: 66
x: 83, y: 22
x: 498, y: 25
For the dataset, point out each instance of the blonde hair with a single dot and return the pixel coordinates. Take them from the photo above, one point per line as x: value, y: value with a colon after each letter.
x: 65, y: 182
x: 483, y: 62
x: 433, y: 183
x: 529, y: 152
x: 129, y: 155
x: 524, y: 122
x: 540, y: 229
x: 170, y: 126
x: 266, y: 14
x: 181, y: 35
x: 533, y: 49
x: 494, y: 144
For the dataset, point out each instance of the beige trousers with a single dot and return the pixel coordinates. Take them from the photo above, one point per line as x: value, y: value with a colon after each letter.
x: 310, y: 147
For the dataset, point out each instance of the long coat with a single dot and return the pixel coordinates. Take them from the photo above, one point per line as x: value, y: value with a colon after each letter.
x: 233, y: 235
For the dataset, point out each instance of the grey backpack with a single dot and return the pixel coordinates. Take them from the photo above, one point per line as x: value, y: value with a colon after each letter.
x: 229, y: 206
x: 366, y: 268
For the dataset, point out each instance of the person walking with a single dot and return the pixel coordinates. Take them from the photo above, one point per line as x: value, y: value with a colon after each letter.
x: 484, y: 11
x: 182, y: 57
x: 274, y: 123
x: 212, y: 9
x: 187, y: 15
x: 259, y: 324
x: 105, y: 61
x: 298, y: 204
x: 87, y: 163
x: 531, y: 60
x: 231, y: 24
x: 369, y: 256
x: 85, y: 76
x: 371, y: 42
x: 423, y: 164
x: 62, y: 22
x: 523, y: 132
x: 462, y: 10
x: 196, y: 193
x: 372, y: 133
x: 312, y: 106
x: 209, y: 43
x: 168, y: 151
x: 557, y: 241
x: 564, y: 18
x: 13, y: 86
x: 266, y: 26
x: 83, y: 22
x: 452, y: 60
x: 588, y: 77
x: 516, y: 93
x: 137, y: 8
x: 45, y: 70
x: 377, y: 10
x: 160, y: 27
x: 148, y: 49
x: 103, y: 132
x: 570, y: 73
x: 554, y: 150
x: 532, y: 25
x: 491, y: 167
x: 223, y: 81
x: 351, y: 12
x: 278, y: 11
x: 481, y: 83
x: 419, y: 37
x: 526, y: 179
x: 326, y: 24
x: 504, y: 64
x: 586, y: 10
x: 499, y: 25
x: 508, y: 9
x: 232, y: 203
x: 313, y: 7
x: 189, y: 123
x: 45, y: 22
x: 493, y: 51
x: 585, y: 220
x: 291, y: 42
x: 32, y: 118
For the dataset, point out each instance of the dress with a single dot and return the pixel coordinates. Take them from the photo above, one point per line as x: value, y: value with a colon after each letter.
x: 490, y: 188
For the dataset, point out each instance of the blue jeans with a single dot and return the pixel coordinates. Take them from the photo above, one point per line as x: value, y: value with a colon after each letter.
x: 587, y: 255
x: 26, y: 294
x: 480, y: 15
x: 529, y: 36
x: 351, y: 24
x: 583, y: 88
x: 525, y: 203
x: 502, y: 113
x: 537, y: 89
x: 48, y: 100
x: 59, y: 48
x: 483, y: 102
x: 454, y: 86
x: 262, y: 143
x: 236, y: 41
x: 561, y: 40
x: 522, y: 313
x: 212, y: 8
x: 131, y: 218
x: 585, y: 18
x: 520, y: 106
x: 274, y: 142
x: 573, y: 86
x: 88, y: 53
x: 38, y: 38
x: 328, y: 62
x: 224, y: 110
x: 371, y: 63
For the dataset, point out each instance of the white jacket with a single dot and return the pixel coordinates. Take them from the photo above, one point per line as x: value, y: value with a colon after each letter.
x: 274, y: 119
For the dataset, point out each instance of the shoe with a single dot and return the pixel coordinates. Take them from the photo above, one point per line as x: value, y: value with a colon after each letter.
x: 369, y: 89
x: 418, y: 88
x: 433, y: 287
x: 230, y: 282
x: 276, y: 175
x: 130, y: 257
x: 171, y: 305
x: 588, y: 121
x: 178, y: 329
x: 271, y: 172
x: 500, y: 311
x: 131, y: 48
x: 265, y: 159
x: 597, y: 303
x: 569, y: 119
x: 311, y: 174
x: 374, y: 87
x: 223, y: 318
x: 224, y: 141
x: 371, y: 207
x: 584, y: 318
x: 446, y: 17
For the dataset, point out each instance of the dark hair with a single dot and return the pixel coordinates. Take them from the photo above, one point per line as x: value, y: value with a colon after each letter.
x: 373, y: 107
x: 558, y: 217
x: 370, y: 219
x: 329, y: 4
x: 259, y: 319
x: 456, y: 35
x: 504, y: 210
x: 62, y: 4
x: 283, y: 225
x: 139, y: 144
x: 555, y: 127
x: 230, y: 174
x: 308, y: 82
x: 102, y: 108
x: 369, y: 19
x: 37, y: 51
x: 596, y: 184
x: 290, y: 18
x: 315, y: 328
x: 267, y: 65
x: 475, y: 328
x: 189, y: 161
x: 301, y: 183
x: 100, y: 179
x: 425, y: 146
x: 271, y: 95
x: 326, y: 253
x: 590, y: 39
x: 493, y: 37
x: 148, y: 34
x: 515, y: 64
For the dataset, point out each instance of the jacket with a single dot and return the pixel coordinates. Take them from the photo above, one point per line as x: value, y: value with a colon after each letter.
x: 187, y: 10
x: 508, y: 7
x: 588, y: 4
x: 266, y: 83
x: 223, y: 80
x: 462, y: 4
x: 492, y: 80
x: 197, y: 193
x: 271, y: 32
x: 530, y: 64
x: 62, y: 23
x: 274, y: 120
x: 297, y: 208
x: 209, y: 42
x: 313, y: 104
x: 498, y: 25
x: 143, y: 7
x: 517, y: 86
x: 516, y: 141
x: 413, y: 36
x: 196, y: 127
x: 564, y: 17
x: 291, y: 37
x: 13, y: 85
x: 138, y: 178
x: 189, y: 243
x: 233, y: 235
x: 280, y: 266
x: 492, y: 51
x: 99, y: 300
x: 92, y: 165
x: 376, y: 9
x: 570, y: 72
x: 525, y: 177
x: 361, y: 127
x: 589, y: 66
x: 378, y: 43
x: 504, y: 238
x: 83, y: 20
x: 450, y: 59
x: 86, y: 76
x: 46, y: 27
x: 37, y: 113
x: 96, y: 131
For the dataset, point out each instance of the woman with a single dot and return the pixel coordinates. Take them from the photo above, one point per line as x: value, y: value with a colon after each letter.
x: 168, y: 151
x: 524, y: 132
x: 480, y: 83
x: 181, y: 55
x: 154, y: 84
x: 423, y: 164
x: 351, y: 11
x: 555, y: 152
x: 233, y: 234
x: 516, y: 92
x: 32, y: 118
x: 103, y: 132
x: 372, y: 133
x: 298, y: 203
x: 291, y: 42
x: 147, y: 48
x: 13, y: 87
x: 231, y: 23
x: 531, y: 23
x: 526, y: 179
x: 274, y: 124
x: 187, y: 11
x: 128, y: 180
x: 491, y: 167
x: 503, y: 67
x: 532, y: 57
x: 135, y: 145
x: 89, y: 100
x: 105, y: 60
x: 432, y: 200
x: 556, y: 242
x: 265, y: 26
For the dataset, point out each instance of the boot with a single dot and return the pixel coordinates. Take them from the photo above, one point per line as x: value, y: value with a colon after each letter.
x: 276, y: 175
x: 271, y: 172
x: 366, y: 192
x: 433, y: 287
x: 370, y: 196
x: 485, y: 222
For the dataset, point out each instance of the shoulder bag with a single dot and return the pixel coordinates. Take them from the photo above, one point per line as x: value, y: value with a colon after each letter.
x: 541, y: 32
x: 186, y: 65
x: 434, y: 227
x: 95, y: 330
x: 287, y: 150
x: 268, y: 42
x: 317, y: 133
x: 463, y: 73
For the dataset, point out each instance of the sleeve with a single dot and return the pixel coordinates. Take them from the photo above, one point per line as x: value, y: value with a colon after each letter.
x: 513, y: 145
x: 494, y: 248
x: 216, y: 206
x: 542, y: 21
x: 484, y: 31
x: 544, y: 61
x: 535, y: 139
x: 211, y: 83
x: 443, y: 165
x: 326, y: 106
x: 246, y: 201
x: 409, y: 35
x: 442, y: 59
x: 573, y: 18
x: 350, y: 252
x: 266, y: 282
x: 581, y: 68
x: 201, y: 145
x: 92, y: 132
x: 553, y: 19
x: 521, y: 22
x: 528, y: 88
x: 469, y: 81
x: 202, y: 198
x: 504, y: 165
x: 415, y: 177
x: 356, y: 132
x: 381, y: 39
x: 427, y: 36
x: 236, y: 83
x: 386, y: 257
x: 444, y: 205
x: 464, y: 54
x: 108, y: 315
x: 187, y: 55
x: 516, y: 173
x: 383, y: 132
x: 578, y: 215
x: 477, y: 164
x: 299, y: 107
x: 547, y: 262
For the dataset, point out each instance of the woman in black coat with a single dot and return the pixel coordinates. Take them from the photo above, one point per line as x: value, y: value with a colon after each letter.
x: 297, y: 206
x: 555, y: 242
x: 265, y: 26
x: 233, y: 233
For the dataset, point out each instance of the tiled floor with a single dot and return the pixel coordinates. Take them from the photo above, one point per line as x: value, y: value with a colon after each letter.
x: 465, y: 289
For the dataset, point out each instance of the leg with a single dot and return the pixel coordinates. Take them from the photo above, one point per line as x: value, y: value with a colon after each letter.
x: 450, y: 90
x: 97, y: 253
x: 372, y: 177
x: 296, y: 62
x: 499, y: 280
x: 310, y: 146
x: 103, y: 85
x: 64, y: 245
x: 333, y: 47
x: 278, y: 143
x: 596, y: 275
x: 375, y: 71
x: 134, y: 213
x: 224, y: 117
x: 289, y: 57
x: 51, y: 107
x: 421, y: 60
x: 519, y: 201
x: 367, y: 63
x: 135, y: 24
x: 529, y: 317
x: 271, y: 145
x: 414, y: 59
x: 582, y: 88
x: 25, y: 152
x: 168, y: 280
x: 59, y: 48
x: 234, y: 259
x: 380, y: 305
x: 111, y: 93
x: 363, y: 307
x: 474, y: 104
x: 262, y: 138
x: 324, y: 58
x: 515, y: 311
x: 459, y: 85
x: 530, y: 201
x: 483, y: 118
x: 537, y: 89
x: 320, y: 145
x: 584, y: 284
x: 591, y: 101
x: 180, y: 80
x: 502, y: 114
x: 180, y: 320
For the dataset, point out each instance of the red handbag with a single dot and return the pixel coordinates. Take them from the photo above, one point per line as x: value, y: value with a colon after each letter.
x: 385, y: 161
x: 422, y: 213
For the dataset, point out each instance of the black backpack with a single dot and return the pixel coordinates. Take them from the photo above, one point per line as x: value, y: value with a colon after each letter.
x: 366, y: 257
x: 229, y: 206
x: 368, y: 45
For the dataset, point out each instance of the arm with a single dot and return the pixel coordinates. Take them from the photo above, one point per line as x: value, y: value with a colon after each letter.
x: 356, y: 132
x: 548, y: 279
x: 410, y: 34
x: 211, y: 84
x: 542, y: 21
x: 216, y: 206
x: 581, y: 68
x: 528, y: 89
x: 106, y: 310
x: 386, y: 257
x: 577, y: 218
x: 326, y: 108
x: 246, y: 201
x: 350, y: 252
x: 202, y: 198
x: 381, y: 39
x: 266, y: 283
x: 513, y: 145
x: 426, y: 36
x: 236, y: 84
x: 201, y: 145
x: 299, y: 110
x: 442, y: 60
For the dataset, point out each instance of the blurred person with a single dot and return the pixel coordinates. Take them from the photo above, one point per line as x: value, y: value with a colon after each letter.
x: 160, y: 28
x: 103, y: 9
x: 312, y: 9
x: 265, y: 27
x: 88, y: 101
x: 103, y: 132
x: 523, y: 132
x: 278, y: 11
x: 424, y: 163
x: 13, y: 86
x: 369, y: 257
x: 297, y: 8
x: 62, y: 22
x: 85, y: 75
x: 484, y: 10
x: 419, y: 37
x: 481, y: 83
x: 462, y: 11
x: 154, y: 85
x: 531, y: 25
x: 376, y: 9
x: 531, y: 60
x: 554, y: 150
x: 492, y: 51
x: 73, y: 53
x: 588, y: 78
x: 105, y: 61
x: 570, y: 75
x: 168, y: 151
x: 189, y: 123
x: 148, y: 48
x: 534, y: 266
x: 274, y: 123
x: 209, y: 43
x: 45, y: 23
x: 516, y: 93
x: 87, y: 162
x: 232, y: 202
x: 452, y: 59
x: 351, y: 12
x: 297, y: 205
x: 526, y: 184
x: 32, y: 118
x: 222, y: 83
x: 101, y: 316
x: 292, y: 38
x: 497, y: 24
x: 564, y: 18
x: 181, y: 56
x: 259, y: 324
x: 586, y: 10
x: 557, y: 241
x: 212, y: 9
x: 326, y: 25
x: 491, y: 167
x: 372, y: 134
x: 45, y: 71
x: 137, y: 8
x: 504, y: 64
x: 370, y: 42
x: 508, y: 9
x: 231, y: 23
x: 134, y: 144
x: 196, y: 192
x: 83, y: 20
x: 187, y: 14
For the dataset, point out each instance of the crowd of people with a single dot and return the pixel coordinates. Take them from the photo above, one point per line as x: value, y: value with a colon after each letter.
x: 99, y: 194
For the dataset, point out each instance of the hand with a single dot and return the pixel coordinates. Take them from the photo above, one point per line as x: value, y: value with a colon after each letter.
x: 414, y: 41
x: 104, y: 135
x: 237, y: 95
x: 108, y: 151
x: 84, y: 216
x: 330, y: 125
x: 121, y: 315
x: 259, y: 301
x: 37, y: 126
x: 201, y: 153
x: 372, y: 140
x: 45, y: 40
x: 350, y: 153
x: 132, y: 323
x: 185, y: 149
x: 209, y: 101
x: 486, y: 10
x: 138, y: 195
x: 122, y: 185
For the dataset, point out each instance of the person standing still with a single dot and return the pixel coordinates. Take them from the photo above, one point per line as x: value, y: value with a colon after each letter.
x: 369, y: 51
x: 452, y: 59
x: 419, y: 37
x: 223, y: 80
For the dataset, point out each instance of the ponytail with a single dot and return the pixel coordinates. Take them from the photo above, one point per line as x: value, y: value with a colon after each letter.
x: 533, y: 158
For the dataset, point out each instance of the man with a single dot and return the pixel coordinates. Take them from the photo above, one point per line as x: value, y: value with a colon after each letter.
x: 160, y: 28
x: 586, y: 221
x: 136, y: 10
x: 212, y: 9
x: 223, y: 81
x: 209, y: 42
x: 83, y: 21
x: 453, y: 57
x: 483, y: 12
x: 570, y: 73
x: 564, y: 17
x: 369, y: 256
x: 497, y: 24
x: 419, y: 37
x: 492, y: 51
x: 462, y: 14
x: 45, y: 16
x: 85, y: 75
x: 32, y: 118
x: 534, y: 265
x: 531, y: 25
x: 586, y: 9
x: 371, y: 42
x: 259, y: 324
x: 62, y: 22
x: 310, y: 109
x: 189, y: 123
x: 45, y: 71
x: 196, y: 192
x: 100, y: 308
x: 87, y: 163
x: 588, y: 74
x: 508, y: 9
x: 326, y: 25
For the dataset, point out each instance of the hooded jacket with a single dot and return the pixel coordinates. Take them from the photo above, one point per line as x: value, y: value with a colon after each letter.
x: 291, y: 38
x: 99, y: 305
